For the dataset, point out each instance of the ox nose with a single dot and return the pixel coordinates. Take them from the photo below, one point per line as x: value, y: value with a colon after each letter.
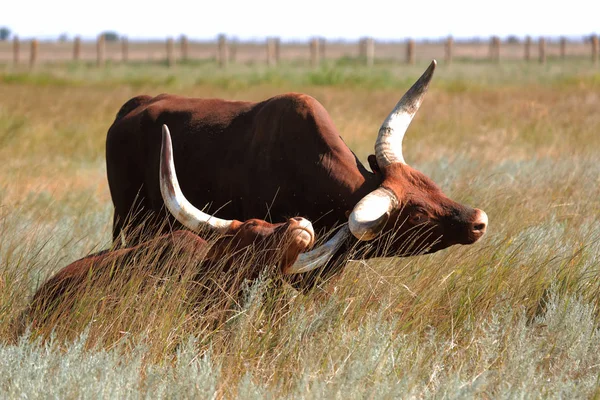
x: 479, y: 224
x: 304, y: 230
x: 303, y: 222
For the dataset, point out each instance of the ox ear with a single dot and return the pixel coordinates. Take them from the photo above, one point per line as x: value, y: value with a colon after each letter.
x: 373, y: 164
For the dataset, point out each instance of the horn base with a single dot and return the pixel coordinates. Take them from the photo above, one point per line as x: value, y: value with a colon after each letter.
x: 371, y: 213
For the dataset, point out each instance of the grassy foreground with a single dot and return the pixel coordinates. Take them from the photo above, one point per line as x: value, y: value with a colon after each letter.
x: 515, y: 315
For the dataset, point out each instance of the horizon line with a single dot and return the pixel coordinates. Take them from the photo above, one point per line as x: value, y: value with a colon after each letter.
x: 66, y: 36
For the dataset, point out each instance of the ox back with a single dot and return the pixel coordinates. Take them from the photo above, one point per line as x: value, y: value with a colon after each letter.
x: 275, y: 159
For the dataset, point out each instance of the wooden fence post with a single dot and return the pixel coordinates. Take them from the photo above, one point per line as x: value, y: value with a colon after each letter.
x: 124, y: 49
x: 183, y: 42
x: 271, y: 52
x: 277, y: 50
x: 527, y: 48
x: 542, y: 50
x: 449, y: 46
x: 100, y: 50
x: 410, y: 51
x: 362, y: 48
x: 595, y: 49
x: 223, y: 51
x: 498, y: 43
x: 495, y: 49
x: 233, y: 45
x: 370, y: 51
x: 77, y: 49
x: 33, y: 53
x: 16, y: 49
x: 314, y: 52
x: 322, y: 44
x: 563, y: 48
x: 170, y: 52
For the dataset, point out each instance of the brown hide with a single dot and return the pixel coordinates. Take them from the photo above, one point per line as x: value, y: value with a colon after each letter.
x: 272, y: 159
x: 241, y: 254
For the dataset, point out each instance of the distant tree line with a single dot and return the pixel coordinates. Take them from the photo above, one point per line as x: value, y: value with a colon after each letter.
x: 113, y: 36
x: 109, y: 36
x: 4, y: 33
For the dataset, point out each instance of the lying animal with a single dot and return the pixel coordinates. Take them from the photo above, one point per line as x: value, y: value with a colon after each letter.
x: 240, y: 251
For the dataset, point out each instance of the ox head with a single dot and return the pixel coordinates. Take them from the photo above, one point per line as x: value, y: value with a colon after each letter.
x: 407, y: 203
x: 285, y: 242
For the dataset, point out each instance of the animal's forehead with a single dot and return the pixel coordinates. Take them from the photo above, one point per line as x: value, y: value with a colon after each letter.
x: 260, y: 226
x: 255, y: 221
x: 410, y: 182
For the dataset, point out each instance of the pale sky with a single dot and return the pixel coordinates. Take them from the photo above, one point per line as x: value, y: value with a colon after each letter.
x: 350, y: 19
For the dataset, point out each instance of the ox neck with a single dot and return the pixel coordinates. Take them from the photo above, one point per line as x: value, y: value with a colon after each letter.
x: 372, y: 182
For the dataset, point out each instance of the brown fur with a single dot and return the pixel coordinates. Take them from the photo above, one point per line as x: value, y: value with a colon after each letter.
x: 270, y: 159
x: 168, y: 257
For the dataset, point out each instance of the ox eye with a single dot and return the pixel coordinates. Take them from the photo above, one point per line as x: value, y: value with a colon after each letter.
x: 418, y: 217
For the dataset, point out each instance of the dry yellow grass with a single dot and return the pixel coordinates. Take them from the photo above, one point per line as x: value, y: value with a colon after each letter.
x: 515, y: 315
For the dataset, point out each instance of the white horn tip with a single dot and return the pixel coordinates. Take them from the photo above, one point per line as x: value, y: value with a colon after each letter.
x: 184, y: 211
x: 166, y: 132
x: 429, y: 71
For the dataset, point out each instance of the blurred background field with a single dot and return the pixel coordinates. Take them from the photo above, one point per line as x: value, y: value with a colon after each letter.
x: 111, y: 47
x: 515, y: 315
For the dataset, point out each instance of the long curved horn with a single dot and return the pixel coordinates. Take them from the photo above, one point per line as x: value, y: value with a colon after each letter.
x: 388, y: 147
x: 178, y: 205
x: 319, y: 256
x: 371, y: 213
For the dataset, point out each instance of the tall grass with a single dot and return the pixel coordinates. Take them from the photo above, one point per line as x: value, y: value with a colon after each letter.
x: 514, y: 315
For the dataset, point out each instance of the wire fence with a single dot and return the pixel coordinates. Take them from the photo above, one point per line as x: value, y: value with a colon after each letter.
x: 272, y: 51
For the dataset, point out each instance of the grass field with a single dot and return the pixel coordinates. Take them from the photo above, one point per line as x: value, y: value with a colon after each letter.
x: 515, y: 315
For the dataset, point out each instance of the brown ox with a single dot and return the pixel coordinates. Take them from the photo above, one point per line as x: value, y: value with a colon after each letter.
x: 240, y: 251
x: 283, y: 157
